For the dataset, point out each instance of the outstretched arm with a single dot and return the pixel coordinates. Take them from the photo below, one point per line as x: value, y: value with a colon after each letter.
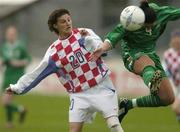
x: 30, y: 80
x: 100, y: 50
x: 110, y: 42
x: 100, y: 47
x: 166, y: 13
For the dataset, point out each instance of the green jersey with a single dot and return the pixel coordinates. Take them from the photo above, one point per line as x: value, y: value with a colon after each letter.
x: 141, y: 40
x: 8, y: 52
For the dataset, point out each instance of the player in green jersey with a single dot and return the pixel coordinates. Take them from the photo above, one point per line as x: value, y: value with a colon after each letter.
x: 139, y: 56
x: 14, y: 58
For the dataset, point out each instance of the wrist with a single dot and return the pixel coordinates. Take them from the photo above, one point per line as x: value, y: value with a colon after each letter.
x: 107, y: 45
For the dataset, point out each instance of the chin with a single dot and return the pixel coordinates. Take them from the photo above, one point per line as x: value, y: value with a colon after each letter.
x: 69, y: 31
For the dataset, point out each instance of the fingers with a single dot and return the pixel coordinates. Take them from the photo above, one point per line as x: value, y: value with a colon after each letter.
x: 84, y: 32
x: 93, y: 57
x: 96, y: 54
x: 9, y: 91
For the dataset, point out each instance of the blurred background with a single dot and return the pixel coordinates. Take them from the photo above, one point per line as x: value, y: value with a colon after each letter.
x: 30, y: 17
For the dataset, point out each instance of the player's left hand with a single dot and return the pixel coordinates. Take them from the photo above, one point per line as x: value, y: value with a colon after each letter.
x: 84, y: 33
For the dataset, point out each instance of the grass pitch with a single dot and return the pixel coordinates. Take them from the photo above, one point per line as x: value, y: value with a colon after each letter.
x: 50, y: 114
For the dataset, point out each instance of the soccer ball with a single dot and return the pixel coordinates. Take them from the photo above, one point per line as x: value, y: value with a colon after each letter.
x: 132, y: 18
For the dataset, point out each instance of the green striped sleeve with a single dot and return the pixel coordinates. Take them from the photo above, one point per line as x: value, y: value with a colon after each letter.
x: 115, y: 35
x: 166, y: 13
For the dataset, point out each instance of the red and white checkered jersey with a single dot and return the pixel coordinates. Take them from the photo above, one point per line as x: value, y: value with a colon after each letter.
x: 69, y: 59
x: 76, y: 72
x: 172, y: 61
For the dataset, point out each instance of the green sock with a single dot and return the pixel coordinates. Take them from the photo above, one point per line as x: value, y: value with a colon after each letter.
x: 149, y: 101
x: 148, y: 73
x: 9, y: 116
x: 10, y: 109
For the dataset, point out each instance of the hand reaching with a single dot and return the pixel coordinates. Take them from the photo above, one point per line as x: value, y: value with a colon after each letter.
x: 9, y: 91
x: 96, y: 54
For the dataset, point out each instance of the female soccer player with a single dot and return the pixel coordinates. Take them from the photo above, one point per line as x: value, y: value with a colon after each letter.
x: 172, y: 64
x: 139, y: 56
x: 88, y: 83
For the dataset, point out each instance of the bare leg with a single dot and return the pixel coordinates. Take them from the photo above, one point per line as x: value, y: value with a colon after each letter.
x: 76, y: 126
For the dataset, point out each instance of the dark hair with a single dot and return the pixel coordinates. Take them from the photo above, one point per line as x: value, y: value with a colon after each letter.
x: 150, y: 14
x: 53, y: 18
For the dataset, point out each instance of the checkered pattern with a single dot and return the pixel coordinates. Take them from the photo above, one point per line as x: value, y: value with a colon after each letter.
x: 76, y: 73
x: 172, y: 59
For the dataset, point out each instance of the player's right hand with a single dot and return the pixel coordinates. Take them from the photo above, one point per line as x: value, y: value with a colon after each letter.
x: 9, y: 90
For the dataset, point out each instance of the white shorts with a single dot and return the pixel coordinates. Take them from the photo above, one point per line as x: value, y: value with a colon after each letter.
x: 101, y: 98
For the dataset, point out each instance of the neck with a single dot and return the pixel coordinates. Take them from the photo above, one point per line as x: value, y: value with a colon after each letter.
x: 11, y: 42
x: 64, y: 35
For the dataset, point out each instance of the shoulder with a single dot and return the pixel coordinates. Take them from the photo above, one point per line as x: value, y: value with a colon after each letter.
x: 53, y: 46
x: 55, y: 42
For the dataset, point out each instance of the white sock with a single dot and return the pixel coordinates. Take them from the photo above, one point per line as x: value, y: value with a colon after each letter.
x: 134, y: 103
x: 117, y: 129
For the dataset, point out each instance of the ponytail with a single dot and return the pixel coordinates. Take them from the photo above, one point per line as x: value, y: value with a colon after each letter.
x: 150, y: 15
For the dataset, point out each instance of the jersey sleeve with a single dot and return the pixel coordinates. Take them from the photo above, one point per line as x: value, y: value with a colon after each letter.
x: 166, y: 13
x: 28, y: 81
x: 115, y: 35
x: 96, y: 39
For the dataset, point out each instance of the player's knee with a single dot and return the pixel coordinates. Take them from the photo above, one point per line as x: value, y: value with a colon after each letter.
x: 168, y: 100
x: 114, y: 125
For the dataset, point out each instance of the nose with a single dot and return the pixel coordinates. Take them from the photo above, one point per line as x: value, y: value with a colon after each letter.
x: 68, y: 22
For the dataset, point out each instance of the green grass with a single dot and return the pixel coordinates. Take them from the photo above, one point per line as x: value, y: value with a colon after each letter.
x: 50, y: 114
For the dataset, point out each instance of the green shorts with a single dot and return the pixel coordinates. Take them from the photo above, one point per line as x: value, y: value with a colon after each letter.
x: 9, y: 79
x: 129, y: 64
